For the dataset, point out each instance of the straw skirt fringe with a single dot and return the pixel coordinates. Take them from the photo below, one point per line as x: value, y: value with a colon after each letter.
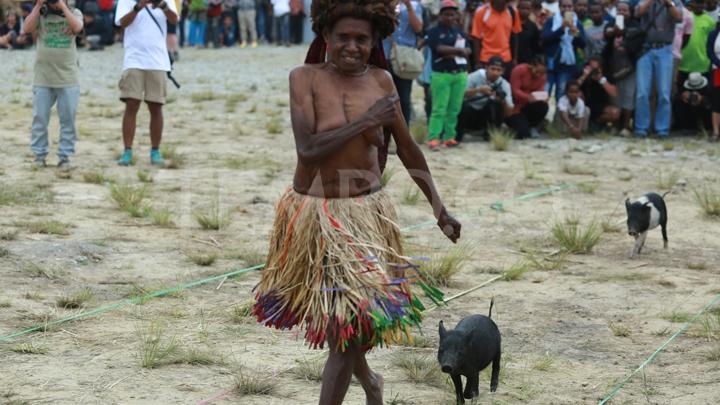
x: 335, y: 266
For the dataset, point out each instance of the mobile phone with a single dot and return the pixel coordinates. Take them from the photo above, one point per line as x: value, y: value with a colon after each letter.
x: 620, y: 22
x: 569, y: 16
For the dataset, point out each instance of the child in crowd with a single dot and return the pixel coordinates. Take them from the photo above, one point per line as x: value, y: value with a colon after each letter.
x: 595, y: 32
x: 571, y: 114
x: 581, y: 9
x: 621, y: 63
x: 227, y: 36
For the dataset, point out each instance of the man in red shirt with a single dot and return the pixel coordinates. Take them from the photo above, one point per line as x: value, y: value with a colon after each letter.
x: 528, y: 92
x: 493, y: 26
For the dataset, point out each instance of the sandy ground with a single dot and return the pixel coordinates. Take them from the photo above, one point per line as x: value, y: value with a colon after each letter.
x: 559, y: 347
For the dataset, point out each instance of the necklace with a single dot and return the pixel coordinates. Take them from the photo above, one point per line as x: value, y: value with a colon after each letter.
x: 356, y: 74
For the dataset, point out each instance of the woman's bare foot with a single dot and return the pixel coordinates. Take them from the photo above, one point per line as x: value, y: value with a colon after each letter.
x: 374, y: 389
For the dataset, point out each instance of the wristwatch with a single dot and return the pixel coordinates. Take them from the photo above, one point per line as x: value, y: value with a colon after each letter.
x: 603, y: 80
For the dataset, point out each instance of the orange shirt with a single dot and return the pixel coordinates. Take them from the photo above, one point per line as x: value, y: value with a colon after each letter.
x: 494, y: 29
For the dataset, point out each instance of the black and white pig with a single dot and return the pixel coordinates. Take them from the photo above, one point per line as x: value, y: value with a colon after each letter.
x: 644, y: 214
x: 467, y: 350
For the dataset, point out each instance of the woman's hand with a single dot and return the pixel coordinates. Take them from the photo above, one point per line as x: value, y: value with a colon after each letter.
x: 449, y: 226
x: 383, y: 112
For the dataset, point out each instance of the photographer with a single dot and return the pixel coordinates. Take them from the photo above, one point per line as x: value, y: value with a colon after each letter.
x: 56, y: 76
x: 598, y: 93
x: 488, y: 99
x: 692, y: 104
x: 145, y: 67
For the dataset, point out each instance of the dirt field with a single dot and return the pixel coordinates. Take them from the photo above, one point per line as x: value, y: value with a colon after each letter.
x: 572, y: 325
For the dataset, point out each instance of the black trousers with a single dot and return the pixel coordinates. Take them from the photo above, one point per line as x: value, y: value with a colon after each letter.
x: 690, y: 117
x: 529, y: 117
x: 296, y: 28
x: 404, y: 89
x: 471, y: 119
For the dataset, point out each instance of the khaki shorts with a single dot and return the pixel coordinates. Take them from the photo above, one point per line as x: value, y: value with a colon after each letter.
x: 144, y: 85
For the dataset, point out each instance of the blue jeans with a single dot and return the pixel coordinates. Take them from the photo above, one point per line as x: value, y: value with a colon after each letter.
x: 282, y: 29
x: 657, y: 65
x: 198, y: 21
x: 43, y: 100
x: 558, y: 78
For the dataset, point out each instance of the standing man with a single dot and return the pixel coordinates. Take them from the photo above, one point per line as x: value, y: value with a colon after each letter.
x: 493, y: 26
x: 410, y: 25
x: 56, y: 77
x: 658, y: 18
x: 145, y: 67
x: 246, y: 23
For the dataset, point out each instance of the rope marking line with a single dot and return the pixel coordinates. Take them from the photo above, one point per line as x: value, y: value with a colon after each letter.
x: 657, y: 351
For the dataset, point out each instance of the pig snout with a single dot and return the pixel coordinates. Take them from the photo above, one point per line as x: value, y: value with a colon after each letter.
x: 633, y: 233
x: 447, y: 369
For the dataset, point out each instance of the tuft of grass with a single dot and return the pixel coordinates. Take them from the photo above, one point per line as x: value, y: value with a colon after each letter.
x: 544, y: 363
x: 619, y: 330
x: 274, y: 126
x: 197, y: 357
x: 145, y: 176
x: 308, y: 370
x: 5, y: 304
x: 541, y: 262
x: 572, y: 237
x: 578, y: 170
x: 516, y: 271
x: 697, y: 265
x: 233, y: 100
x: 249, y: 256
x: 708, y: 198
x: 29, y: 348
x: 173, y: 158
x: 49, y: 227
x: 419, y: 131
x: 242, y: 313
x: 713, y: 354
x: 709, y: 327
x: 94, y: 177
x: 417, y: 341
x: 154, y: 349
x: 35, y: 270
x: 529, y: 171
x: 254, y: 383
x: 129, y: 198
x: 587, y: 187
x: 604, y: 278
x: 420, y: 369
x: 411, y: 195
x: 387, y: 175
x: 76, y: 300
x: 666, y: 180
x: 441, y: 268
x: 501, y: 138
x: 203, y: 258
x: 4, y: 252
x: 23, y: 194
x: 9, y: 234
x: 677, y: 317
x: 212, y: 218
x: 201, y: 96
x: 161, y: 217
x: 668, y: 146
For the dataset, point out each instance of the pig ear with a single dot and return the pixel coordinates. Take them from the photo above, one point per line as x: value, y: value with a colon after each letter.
x: 627, y: 204
x: 442, y: 331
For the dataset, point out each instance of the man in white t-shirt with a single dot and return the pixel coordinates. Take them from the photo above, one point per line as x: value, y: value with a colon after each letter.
x: 145, y: 67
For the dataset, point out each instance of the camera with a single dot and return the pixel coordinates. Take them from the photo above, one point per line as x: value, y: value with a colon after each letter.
x: 694, y: 98
x: 155, y: 2
x: 594, y: 72
x: 499, y: 92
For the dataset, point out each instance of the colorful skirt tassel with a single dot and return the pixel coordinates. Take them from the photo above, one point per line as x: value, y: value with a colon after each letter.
x: 335, y: 266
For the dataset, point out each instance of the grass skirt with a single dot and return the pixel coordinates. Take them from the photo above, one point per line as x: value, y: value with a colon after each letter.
x: 335, y: 266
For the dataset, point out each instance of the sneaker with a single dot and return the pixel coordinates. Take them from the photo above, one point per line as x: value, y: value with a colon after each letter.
x: 534, y: 133
x: 254, y: 44
x: 434, y: 144
x: 625, y: 133
x: 243, y: 45
x: 451, y: 143
x: 155, y: 158
x: 126, y: 158
x: 64, y: 164
x: 39, y: 163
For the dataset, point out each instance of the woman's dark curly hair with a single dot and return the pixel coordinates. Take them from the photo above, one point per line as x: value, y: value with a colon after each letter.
x: 380, y: 13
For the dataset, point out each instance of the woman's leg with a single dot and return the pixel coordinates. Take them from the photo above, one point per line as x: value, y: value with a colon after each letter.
x: 339, y: 369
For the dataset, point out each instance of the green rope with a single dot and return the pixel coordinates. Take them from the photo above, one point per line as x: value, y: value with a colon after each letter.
x: 500, y: 205
x: 662, y: 347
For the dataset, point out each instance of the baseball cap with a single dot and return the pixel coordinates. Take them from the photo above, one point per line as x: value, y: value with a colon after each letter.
x: 495, y: 61
x: 448, y: 4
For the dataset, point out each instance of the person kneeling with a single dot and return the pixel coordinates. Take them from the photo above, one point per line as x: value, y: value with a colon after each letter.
x: 529, y: 97
x: 488, y: 100
x: 598, y: 93
x: 572, y: 115
x: 691, y: 105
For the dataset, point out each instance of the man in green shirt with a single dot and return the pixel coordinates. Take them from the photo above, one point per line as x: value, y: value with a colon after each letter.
x: 694, y: 54
x: 56, y: 76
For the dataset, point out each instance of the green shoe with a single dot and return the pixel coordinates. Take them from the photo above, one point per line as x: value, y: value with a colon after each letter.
x: 126, y: 158
x: 155, y: 158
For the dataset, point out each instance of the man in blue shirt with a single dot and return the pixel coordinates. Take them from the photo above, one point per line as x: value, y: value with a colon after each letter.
x: 450, y: 49
x: 410, y: 25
